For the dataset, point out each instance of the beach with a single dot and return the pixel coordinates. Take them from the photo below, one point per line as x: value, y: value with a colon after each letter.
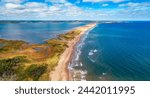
x: 61, y: 72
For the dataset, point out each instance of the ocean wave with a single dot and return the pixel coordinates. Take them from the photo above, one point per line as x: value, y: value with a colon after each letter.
x: 92, y: 52
x: 112, y: 36
x: 93, y: 35
x: 108, y: 22
x: 79, y: 75
x: 104, y: 73
x: 75, y: 61
x: 76, y: 66
x: 92, y: 60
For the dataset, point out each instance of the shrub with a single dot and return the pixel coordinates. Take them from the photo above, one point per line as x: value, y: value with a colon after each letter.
x: 35, y: 71
x: 9, y: 66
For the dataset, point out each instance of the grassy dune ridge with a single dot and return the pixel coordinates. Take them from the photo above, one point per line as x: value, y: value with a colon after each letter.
x: 20, y: 60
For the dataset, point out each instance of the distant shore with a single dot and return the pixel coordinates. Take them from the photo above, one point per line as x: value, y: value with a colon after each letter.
x: 61, y: 72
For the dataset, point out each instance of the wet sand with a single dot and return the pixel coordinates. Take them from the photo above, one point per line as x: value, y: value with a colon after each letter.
x: 61, y: 72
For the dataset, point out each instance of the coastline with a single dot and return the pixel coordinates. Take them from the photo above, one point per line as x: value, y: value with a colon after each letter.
x: 50, y: 59
x: 61, y: 72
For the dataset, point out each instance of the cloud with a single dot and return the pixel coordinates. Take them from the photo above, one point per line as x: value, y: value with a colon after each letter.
x: 54, y: 8
x: 136, y: 7
x: 105, y: 5
x: 64, y: 10
x: 56, y: 1
x: 12, y: 1
x: 27, y: 7
x: 39, y: 10
x: 136, y: 10
x: 12, y: 6
x: 131, y: 4
x: 35, y: 5
x: 29, y: 10
x: 96, y: 1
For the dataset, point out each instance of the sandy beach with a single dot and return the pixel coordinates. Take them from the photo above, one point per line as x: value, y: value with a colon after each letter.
x: 61, y: 72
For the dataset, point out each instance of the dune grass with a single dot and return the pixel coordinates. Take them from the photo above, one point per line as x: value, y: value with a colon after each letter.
x: 70, y: 35
x: 20, y: 60
x: 11, y: 45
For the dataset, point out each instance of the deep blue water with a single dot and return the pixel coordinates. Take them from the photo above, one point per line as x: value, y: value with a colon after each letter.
x: 35, y: 31
x: 117, y: 51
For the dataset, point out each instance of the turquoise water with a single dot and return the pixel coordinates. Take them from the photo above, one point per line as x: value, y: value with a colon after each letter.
x: 117, y: 51
x: 35, y: 31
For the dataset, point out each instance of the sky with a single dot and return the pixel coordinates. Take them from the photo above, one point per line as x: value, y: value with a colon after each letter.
x: 74, y: 9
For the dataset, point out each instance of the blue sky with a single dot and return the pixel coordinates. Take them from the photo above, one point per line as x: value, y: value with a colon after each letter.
x: 74, y: 9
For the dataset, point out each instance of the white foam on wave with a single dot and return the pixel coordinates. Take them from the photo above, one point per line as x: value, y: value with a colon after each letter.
x: 92, y: 60
x: 79, y: 75
x: 95, y: 50
x: 92, y: 55
x: 81, y: 64
x: 79, y: 47
x: 92, y: 52
x: 76, y: 62
x: 108, y: 22
x: 104, y: 73
x: 100, y: 78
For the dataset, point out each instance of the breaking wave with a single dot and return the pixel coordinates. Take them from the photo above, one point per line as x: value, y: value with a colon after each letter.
x: 76, y: 66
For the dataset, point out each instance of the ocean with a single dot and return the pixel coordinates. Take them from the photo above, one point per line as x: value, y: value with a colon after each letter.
x: 112, y: 51
x: 115, y: 51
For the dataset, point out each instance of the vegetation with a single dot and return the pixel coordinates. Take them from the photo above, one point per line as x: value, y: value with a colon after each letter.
x: 58, y: 46
x: 9, y: 66
x: 55, y: 42
x: 35, y: 71
x: 70, y: 35
x: 11, y: 45
x: 22, y: 61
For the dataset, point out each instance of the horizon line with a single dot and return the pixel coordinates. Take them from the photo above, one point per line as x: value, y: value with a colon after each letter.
x: 74, y: 20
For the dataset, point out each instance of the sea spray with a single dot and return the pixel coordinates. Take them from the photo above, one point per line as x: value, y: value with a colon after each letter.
x: 76, y: 67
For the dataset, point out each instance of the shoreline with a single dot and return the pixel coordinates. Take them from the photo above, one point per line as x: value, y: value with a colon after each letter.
x: 51, y: 57
x: 61, y: 71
